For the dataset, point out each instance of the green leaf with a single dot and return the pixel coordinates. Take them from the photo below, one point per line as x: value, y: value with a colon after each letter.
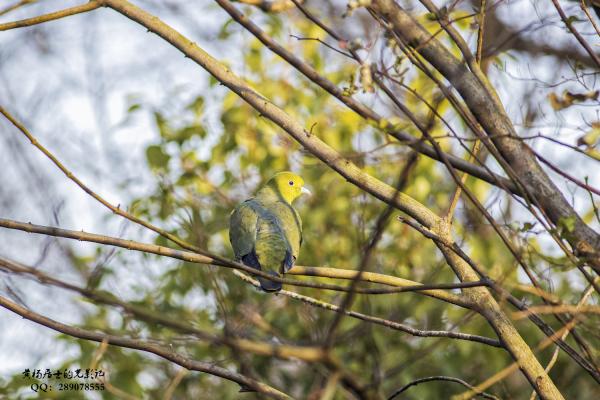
x: 156, y: 157
x: 163, y: 126
x: 527, y: 226
x: 134, y: 107
x: 573, y: 18
x: 568, y: 223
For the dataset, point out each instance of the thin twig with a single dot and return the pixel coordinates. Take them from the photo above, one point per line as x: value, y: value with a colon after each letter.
x: 174, y: 383
x: 569, y: 23
x: 480, y: 33
x: 590, y: 18
x: 560, y: 309
x: 350, y: 102
x: 566, y: 175
x: 440, y: 378
x: 89, y: 6
x: 283, y: 351
x: 380, y: 225
x: 376, y: 320
x: 143, y: 346
x: 324, y: 44
x: 115, y: 209
x: 13, y: 7
x: 463, y: 179
x: 586, y: 295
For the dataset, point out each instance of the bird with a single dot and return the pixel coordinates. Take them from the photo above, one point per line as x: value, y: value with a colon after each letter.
x: 265, y: 231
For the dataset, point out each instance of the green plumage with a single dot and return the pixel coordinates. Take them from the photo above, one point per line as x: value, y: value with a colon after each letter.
x: 266, y: 231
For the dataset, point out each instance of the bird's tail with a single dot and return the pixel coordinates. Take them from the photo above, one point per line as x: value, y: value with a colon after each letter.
x: 267, y: 285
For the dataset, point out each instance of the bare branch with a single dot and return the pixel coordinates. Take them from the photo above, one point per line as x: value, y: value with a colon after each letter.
x: 89, y: 6
x: 376, y: 235
x: 500, y: 375
x: 379, y: 321
x: 15, y: 6
x: 576, y: 33
x: 185, y: 362
x: 485, y: 105
x: 115, y: 209
x: 481, y: 32
x: 223, y: 262
x: 590, y: 18
x: 586, y: 295
x: 305, y: 353
x: 503, y: 294
x: 353, y: 104
x: 558, y: 309
x: 440, y: 378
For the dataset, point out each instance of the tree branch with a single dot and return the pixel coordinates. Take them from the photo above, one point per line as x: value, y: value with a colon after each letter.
x: 313, y: 75
x: 502, y: 325
x: 267, y: 109
x: 503, y: 294
x: 223, y: 262
x: 304, y: 353
x: 376, y: 320
x: 115, y: 209
x: 89, y: 6
x: 441, y: 378
x: 483, y: 102
x: 558, y: 309
x: 575, y: 33
x: 308, y: 354
x: 560, y: 334
x: 146, y: 347
x: 15, y: 6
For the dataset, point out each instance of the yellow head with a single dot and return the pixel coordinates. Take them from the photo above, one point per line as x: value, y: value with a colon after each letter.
x: 287, y: 185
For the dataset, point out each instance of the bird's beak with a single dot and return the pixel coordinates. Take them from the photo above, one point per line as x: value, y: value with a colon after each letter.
x: 305, y: 191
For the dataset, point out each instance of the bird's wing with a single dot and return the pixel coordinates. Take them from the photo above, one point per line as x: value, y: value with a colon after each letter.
x: 272, y: 247
x: 259, y: 241
x: 299, y: 227
x: 291, y: 225
x: 242, y: 229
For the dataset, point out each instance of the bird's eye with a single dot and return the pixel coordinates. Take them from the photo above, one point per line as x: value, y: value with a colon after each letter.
x: 291, y: 183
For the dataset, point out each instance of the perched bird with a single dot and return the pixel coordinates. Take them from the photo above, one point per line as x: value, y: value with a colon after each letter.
x: 266, y: 231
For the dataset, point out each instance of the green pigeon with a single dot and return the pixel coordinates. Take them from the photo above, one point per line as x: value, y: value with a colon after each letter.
x: 265, y: 231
